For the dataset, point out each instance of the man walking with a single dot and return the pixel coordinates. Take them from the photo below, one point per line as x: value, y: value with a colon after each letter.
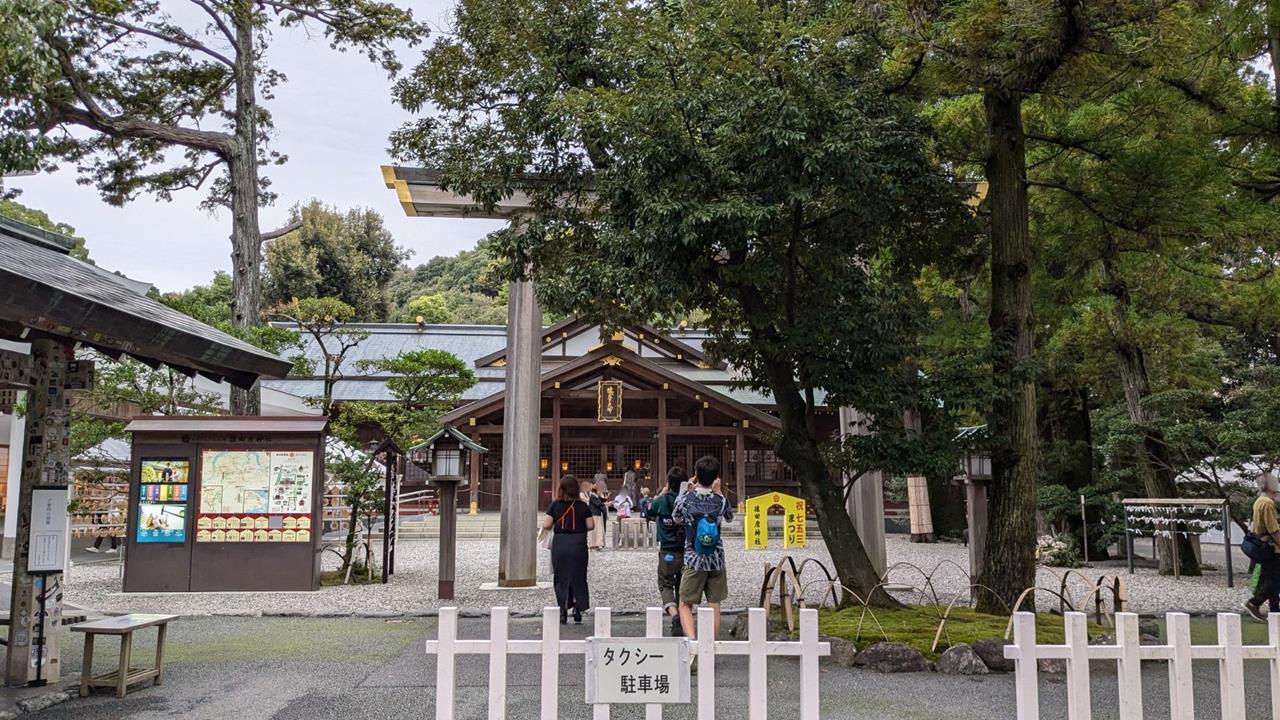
x: 1267, y: 527
x: 670, y: 547
x: 701, y: 511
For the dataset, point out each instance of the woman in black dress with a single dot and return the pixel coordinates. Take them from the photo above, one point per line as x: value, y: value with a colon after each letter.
x: 569, y: 518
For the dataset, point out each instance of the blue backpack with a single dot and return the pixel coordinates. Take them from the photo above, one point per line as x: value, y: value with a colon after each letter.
x: 706, y: 537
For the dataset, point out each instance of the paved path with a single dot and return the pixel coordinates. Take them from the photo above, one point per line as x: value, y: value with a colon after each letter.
x: 322, y: 669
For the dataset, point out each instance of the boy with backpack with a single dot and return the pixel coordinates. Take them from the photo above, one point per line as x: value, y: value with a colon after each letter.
x: 700, y: 511
x: 670, y: 547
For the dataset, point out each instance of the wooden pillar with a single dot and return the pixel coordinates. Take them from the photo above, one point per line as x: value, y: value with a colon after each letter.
x: 976, y: 513
x: 740, y: 467
x: 517, y: 551
x: 661, y: 464
x: 555, y: 444
x: 45, y: 465
x: 448, y: 536
x: 473, y: 492
x: 866, y: 502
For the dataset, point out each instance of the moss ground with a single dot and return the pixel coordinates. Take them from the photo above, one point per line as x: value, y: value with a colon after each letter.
x: 916, y: 625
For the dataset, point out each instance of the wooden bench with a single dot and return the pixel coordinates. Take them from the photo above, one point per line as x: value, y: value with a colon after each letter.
x: 124, y: 675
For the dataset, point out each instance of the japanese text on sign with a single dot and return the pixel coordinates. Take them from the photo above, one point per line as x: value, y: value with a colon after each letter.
x: 637, y: 670
x: 757, y: 523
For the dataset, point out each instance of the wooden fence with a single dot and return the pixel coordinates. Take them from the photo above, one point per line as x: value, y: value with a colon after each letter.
x: 1128, y: 653
x: 550, y: 647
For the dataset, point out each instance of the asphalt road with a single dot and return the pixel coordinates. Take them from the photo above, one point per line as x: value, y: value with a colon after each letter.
x: 320, y: 669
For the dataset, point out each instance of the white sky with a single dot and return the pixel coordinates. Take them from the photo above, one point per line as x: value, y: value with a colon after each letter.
x: 332, y: 119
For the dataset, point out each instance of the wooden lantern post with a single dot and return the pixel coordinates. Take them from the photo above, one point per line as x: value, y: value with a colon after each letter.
x: 447, y: 458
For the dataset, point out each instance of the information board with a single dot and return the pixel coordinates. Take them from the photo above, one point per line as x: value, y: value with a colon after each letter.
x: 255, y: 496
x: 48, y: 534
x: 637, y: 670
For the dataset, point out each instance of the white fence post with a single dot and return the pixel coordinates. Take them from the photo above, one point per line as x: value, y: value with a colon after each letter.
x: 498, y: 664
x: 1079, y: 706
x: 706, y: 664
x: 653, y: 628
x: 448, y: 634
x: 809, y: 646
x: 1273, y: 639
x: 603, y: 629
x: 550, y: 663
x: 499, y: 646
x: 1027, y: 684
x: 757, y: 671
x: 1182, y: 700
x: 1129, y: 666
x: 1231, y: 667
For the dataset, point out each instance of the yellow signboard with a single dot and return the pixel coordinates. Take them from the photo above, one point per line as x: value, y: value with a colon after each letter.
x: 757, y: 520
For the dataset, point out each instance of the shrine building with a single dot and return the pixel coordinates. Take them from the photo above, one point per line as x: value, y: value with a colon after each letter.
x: 639, y: 399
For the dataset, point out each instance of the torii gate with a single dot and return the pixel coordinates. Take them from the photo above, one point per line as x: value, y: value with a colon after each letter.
x: 420, y: 195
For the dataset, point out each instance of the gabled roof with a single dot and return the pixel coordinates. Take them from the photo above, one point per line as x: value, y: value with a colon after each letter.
x: 44, y: 292
x: 454, y: 433
x: 621, y: 360
x: 650, y: 336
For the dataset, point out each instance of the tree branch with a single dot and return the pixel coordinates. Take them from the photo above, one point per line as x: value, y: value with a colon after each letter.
x: 183, y: 40
x: 222, y: 25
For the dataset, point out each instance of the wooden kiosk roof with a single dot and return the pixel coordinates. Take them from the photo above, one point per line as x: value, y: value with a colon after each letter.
x: 44, y: 292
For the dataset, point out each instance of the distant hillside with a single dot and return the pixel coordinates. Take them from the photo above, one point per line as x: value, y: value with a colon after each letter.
x: 461, y: 289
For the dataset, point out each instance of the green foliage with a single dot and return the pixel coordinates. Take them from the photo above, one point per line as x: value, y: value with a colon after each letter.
x: 40, y: 219
x: 472, y: 291
x: 746, y: 164
x: 430, y: 309
x: 211, y: 305
x: 426, y: 384
x: 113, y: 87
x: 364, y: 493
x: 161, y: 391
x: 349, y: 256
x: 323, y: 322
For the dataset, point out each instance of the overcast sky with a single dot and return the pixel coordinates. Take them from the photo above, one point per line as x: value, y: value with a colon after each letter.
x: 332, y: 119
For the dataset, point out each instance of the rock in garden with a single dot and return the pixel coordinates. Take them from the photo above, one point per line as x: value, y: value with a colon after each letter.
x: 843, y: 652
x: 992, y: 654
x: 892, y: 657
x: 1051, y: 666
x: 1103, y: 639
x: 739, y: 629
x: 961, y: 660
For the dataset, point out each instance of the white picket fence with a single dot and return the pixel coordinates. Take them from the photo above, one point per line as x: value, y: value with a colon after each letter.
x: 498, y: 646
x: 1128, y: 653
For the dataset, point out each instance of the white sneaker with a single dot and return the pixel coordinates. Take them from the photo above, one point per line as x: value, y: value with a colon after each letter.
x: 92, y: 549
x: 112, y: 551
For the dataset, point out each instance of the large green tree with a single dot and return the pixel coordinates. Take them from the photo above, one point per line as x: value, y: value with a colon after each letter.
x: 742, y: 158
x: 350, y: 256
x: 141, y: 98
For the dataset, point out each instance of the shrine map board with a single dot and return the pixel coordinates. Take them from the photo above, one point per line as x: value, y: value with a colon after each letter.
x: 225, y: 504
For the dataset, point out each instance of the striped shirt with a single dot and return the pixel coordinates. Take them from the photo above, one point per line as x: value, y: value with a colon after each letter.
x: 692, y: 507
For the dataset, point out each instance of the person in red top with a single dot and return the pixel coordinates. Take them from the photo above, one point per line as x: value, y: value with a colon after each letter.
x: 569, y: 518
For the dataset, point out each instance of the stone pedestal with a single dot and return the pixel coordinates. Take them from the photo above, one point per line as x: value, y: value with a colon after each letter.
x: 517, y: 553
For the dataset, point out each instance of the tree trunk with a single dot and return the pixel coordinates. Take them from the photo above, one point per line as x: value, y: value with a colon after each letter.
x: 798, y: 447
x: 242, y: 168
x: 1152, y: 457
x: 1008, y: 565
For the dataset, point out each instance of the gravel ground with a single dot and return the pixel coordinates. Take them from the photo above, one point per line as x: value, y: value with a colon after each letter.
x: 624, y: 580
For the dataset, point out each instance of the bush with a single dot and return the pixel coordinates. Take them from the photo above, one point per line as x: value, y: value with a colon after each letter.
x: 1058, y: 550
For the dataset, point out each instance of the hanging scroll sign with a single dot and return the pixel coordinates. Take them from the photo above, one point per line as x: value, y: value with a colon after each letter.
x: 609, y: 401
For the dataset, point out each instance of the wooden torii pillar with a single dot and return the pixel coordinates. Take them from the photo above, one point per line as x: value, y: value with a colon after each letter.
x: 420, y: 195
